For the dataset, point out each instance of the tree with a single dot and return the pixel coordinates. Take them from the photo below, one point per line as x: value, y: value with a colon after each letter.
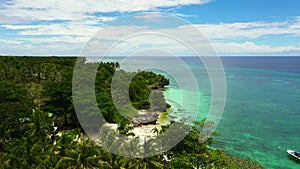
x: 27, y: 153
x: 113, y: 161
x: 39, y: 126
x: 85, y: 154
x: 59, y: 100
x: 14, y: 104
x: 150, y: 162
x: 190, y: 150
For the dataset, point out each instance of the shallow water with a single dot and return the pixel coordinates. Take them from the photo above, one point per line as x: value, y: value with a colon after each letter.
x: 262, y: 114
x: 261, y: 118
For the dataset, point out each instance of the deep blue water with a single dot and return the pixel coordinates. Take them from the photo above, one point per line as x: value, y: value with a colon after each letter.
x: 279, y: 64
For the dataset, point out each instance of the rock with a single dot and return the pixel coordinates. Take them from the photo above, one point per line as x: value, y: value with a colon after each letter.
x: 145, y: 117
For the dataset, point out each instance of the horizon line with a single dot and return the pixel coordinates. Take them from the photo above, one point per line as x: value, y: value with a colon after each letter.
x: 147, y: 56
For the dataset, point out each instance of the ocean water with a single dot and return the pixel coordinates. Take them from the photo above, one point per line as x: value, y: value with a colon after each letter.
x: 262, y: 114
x: 261, y: 119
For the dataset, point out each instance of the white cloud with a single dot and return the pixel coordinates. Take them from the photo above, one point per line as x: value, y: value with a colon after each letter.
x: 74, y: 37
x: 69, y: 28
x: 11, y: 42
x: 36, y: 10
x: 251, y: 49
x: 45, y: 46
x: 250, y: 30
x: 68, y: 25
x: 152, y: 15
x: 223, y: 48
x: 140, y: 42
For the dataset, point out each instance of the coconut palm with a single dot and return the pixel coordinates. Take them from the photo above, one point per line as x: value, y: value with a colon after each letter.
x: 39, y: 126
x: 147, y: 163
x: 85, y: 154
x: 5, y: 160
x: 117, y: 162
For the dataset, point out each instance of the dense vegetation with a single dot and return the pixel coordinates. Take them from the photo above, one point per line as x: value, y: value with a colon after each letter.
x: 39, y: 127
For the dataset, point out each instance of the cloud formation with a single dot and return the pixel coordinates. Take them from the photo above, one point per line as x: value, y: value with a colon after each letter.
x: 64, y: 27
x: 36, y: 10
x: 251, y: 49
x: 250, y: 30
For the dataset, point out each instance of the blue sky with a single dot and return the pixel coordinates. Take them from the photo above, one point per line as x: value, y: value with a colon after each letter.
x: 243, y: 11
x: 233, y: 27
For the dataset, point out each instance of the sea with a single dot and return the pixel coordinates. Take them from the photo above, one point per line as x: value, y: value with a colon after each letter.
x: 261, y: 118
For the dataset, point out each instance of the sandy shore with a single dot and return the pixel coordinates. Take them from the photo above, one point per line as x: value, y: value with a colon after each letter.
x: 146, y: 130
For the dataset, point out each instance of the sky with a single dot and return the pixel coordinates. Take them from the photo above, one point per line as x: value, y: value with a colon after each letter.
x: 232, y: 27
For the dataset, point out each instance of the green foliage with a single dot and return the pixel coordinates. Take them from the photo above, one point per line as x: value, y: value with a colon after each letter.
x: 59, y: 100
x: 190, y: 153
x: 34, y: 69
x: 39, y: 126
x: 236, y: 163
x: 83, y: 154
x: 150, y: 162
x: 14, y: 104
x: 124, y: 128
x: 34, y: 149
x: 27, y: 138
x: 139, y: 89
x: 26, y: 153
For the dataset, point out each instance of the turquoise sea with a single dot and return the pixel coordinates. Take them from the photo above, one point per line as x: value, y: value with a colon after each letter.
x: 261, y: 119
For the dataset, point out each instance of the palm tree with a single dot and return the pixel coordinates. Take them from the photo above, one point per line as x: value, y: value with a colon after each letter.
x: 5, y: 160
x: 43, y: 155
x: 17, y: 154
x: 145, y: 163
x: 84, y: 155
x: 39, y: 126
x: 117, y: 162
